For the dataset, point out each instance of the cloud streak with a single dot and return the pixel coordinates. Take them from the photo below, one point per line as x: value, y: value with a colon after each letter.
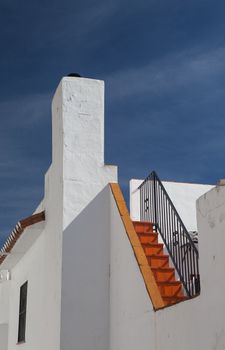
x: 172, y: 112
x: 169, y: 74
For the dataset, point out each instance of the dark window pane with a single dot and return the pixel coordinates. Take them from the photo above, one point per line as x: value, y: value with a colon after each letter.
x: 22, y: 325
x: 23, y: 297
x: 22, y: 313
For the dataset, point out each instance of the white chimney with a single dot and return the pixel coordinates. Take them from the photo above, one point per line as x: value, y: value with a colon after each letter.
x: 78, y: 143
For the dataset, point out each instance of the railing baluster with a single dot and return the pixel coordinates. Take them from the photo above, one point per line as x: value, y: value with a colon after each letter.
x: 157, y: 207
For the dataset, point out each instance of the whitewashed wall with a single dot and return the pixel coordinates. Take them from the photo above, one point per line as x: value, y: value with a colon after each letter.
x: 4, y: 314
x: 4, y: 336
x: 85, y: 278
x: 41, y: 267
x: 194, y: 324
x: 132, y: 319
x: 183, y: 196
x: 77, y: 174
x: 4, y: 304
x: 105, y: 304
x: 78, y: 143
x: 36, y: 258
x: 200, y: 323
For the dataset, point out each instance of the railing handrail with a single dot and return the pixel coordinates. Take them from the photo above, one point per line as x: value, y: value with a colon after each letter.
x: 172, y: 205
x: 192, y: 268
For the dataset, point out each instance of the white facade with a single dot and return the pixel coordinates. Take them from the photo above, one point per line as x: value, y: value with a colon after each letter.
x: 85, y: 288
x: 107, y: 294
x: 131, y: 311
x: 183, y: 196
x: 75, y: 177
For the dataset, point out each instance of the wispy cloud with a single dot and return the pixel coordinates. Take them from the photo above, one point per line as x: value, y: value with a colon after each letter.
x: 26, y: 110
x: 175, y: 71
x: 23, y: 158
x: 169, y: 115
x: 21, y: 117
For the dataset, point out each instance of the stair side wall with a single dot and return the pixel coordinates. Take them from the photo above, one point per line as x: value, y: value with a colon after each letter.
x: 3, y: 336
x: 199, y: 323
x: 105, y: 304
x: 132, y: 318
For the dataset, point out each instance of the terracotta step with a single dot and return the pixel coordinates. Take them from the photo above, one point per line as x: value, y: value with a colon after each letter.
x: 151, y: 237
x: 164, y: 274
x: 158, y: 260
x: 170, y: 289
x: 143, y: 227
x: 174, y: 299
x: 153, y: 248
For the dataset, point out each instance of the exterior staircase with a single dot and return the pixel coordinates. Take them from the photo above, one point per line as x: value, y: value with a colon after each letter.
x: 170, y: 288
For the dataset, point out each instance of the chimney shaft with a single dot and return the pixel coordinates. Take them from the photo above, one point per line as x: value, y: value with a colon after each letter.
x: 78, y: 143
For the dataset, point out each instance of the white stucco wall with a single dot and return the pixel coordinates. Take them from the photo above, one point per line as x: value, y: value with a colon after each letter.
x: 78, y: 143
x: 4, y: 336
x: 200, y: 323
x: 36, y: 258
x: 132, y: 319
x: 105, y: 304
x: 183, y: 196
x: 40, y: 265
x: 77, y: 174
x: 85, y: 278
x: 194, y: 324
x: 4, y: 314
x: 4, y: 302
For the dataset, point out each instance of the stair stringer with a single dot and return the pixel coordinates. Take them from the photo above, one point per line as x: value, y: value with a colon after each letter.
x: 145, y: 269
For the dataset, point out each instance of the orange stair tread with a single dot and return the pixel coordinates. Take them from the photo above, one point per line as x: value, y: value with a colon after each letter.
x: 164, y: 256
x: 172, y: 295
x: 141, y: 225
x: 170, y: 289
x: 153, y: 255
x: 163, y: 269
x: 159, y: 245
x: 170, y: 283
x: 146, y: 223
x: 174, y: 299
x: 146, y: 235
x: 183, y: 297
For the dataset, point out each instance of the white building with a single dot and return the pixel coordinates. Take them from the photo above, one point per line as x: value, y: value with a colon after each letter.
x: 79, y: 274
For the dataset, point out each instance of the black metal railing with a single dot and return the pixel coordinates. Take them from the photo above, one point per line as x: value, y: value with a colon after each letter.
x: 157, y: 207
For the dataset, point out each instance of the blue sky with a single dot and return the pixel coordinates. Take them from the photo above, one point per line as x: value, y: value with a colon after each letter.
x: 163, y: 63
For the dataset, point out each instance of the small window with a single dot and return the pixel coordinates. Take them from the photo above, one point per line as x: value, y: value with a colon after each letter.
x: 22, y: 313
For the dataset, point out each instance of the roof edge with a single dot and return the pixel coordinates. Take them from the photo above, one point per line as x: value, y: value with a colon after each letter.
x: 17, y: 231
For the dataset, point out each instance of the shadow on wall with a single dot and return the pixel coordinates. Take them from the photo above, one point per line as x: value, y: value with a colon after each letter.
x: 85, y: 277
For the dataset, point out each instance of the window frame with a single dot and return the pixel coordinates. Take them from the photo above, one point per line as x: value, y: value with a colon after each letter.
x: 22, y: 313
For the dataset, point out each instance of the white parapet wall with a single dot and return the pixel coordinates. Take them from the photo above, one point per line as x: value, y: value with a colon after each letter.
x: 132, y: 319
x: 200, y: 323
x: 4, y: 314
x: 183, y: 196
x: 4, y: 336
x: 105, y: 304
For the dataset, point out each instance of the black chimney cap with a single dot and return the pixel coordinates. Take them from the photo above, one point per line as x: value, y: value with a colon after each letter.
x: 74, y: 75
